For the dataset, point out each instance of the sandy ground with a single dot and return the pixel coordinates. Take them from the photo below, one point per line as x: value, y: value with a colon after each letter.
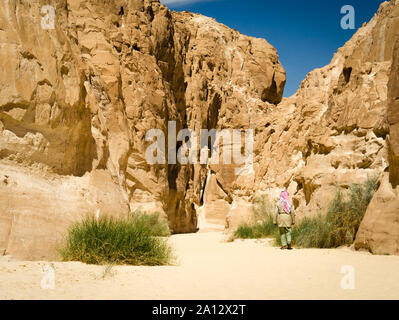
x: 209, y: 268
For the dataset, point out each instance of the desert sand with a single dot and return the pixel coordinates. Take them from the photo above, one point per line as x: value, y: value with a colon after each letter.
x: 208, y: 267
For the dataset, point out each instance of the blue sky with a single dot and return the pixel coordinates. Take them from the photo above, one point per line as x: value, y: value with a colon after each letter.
x: 306, y: 33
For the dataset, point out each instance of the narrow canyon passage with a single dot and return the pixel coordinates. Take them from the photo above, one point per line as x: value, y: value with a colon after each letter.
x: 78, y: 102
x: 209, y: 268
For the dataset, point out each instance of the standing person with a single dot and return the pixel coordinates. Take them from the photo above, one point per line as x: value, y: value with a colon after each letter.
x: 284, y: 218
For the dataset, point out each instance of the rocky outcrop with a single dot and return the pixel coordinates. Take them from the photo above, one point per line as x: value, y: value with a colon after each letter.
x: 334, y: 131
x: 231, y: 80
x: 339, y: 128
x: 77, y: 101
x: 379, y: 231
x: 393, y: 118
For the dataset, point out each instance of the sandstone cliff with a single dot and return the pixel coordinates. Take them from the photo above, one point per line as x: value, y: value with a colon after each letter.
x: 76, y: 102
x: 379, y: 231
x: 334, y: 130
x: 338, y: 129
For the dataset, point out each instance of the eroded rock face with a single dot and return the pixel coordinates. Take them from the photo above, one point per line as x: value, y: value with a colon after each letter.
x: 393, y: 119
x: 379, y: 231
x: 334, y: 131
x: 231, y: 80
x: 340, y: 128
x: 76, y: 103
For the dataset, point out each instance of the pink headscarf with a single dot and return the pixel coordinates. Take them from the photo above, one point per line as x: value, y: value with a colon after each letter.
x: 285, y: 201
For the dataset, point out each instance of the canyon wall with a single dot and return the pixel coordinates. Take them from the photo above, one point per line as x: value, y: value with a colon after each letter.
x: 379, y: 231
x: 338, y: 129
x: 334, y: 130
x: 77, y: 101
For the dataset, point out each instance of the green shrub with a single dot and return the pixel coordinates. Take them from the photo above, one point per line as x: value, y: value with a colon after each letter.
x: 263, y: 226
x: 341, y: 223
x: 256, y: 230
x: 135, y: 240
x: 311, y: 233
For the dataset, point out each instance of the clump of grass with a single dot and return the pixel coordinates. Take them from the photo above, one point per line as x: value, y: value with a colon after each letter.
x: 336, y: 228
x: 135, y: 240
x: 256, y: 230
x: 310, y: 233
x: 263, y: 226
x: 341, y: 223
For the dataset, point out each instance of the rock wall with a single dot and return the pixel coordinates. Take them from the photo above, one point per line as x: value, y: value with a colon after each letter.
x: 338, y: 129
x: 379, y: 231
x: 334, y: 130
x: 77, y: 101
x: 231, y: 81
x: 393, y: 118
